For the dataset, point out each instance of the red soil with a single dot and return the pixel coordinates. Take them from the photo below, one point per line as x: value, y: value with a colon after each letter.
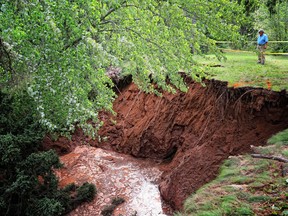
x: 190, y: 134
x: 241, y: 84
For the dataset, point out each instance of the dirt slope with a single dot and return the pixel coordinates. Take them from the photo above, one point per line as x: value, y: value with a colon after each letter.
x: 192, y: 133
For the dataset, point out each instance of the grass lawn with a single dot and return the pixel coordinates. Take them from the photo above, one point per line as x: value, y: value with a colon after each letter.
x: 241, y: 69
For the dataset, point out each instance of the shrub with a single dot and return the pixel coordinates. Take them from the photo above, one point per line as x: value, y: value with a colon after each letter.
x: 28, y: 185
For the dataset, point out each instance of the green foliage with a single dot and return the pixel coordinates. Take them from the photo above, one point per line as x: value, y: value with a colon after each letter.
x: 28, y: 185
x: 85, y: 192
x: 272, y: 17
x: 60, y: 50
x: 46, y: 207
x: 247, y: 25
x: 108, y: 209
x: 118, y: 201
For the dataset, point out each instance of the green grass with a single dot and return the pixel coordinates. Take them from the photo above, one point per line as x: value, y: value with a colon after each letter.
x: 244, y: 186
x: 241, y: 180
x: 228, y: 205
x: 258, y: 199
x: 242, y: 68
x: 285, y: 153
x: 280, y: 138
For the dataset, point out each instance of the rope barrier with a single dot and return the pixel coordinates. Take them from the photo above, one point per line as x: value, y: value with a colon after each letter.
x: 244, y: 51
x: 268, y: 53
x: 230, y: 42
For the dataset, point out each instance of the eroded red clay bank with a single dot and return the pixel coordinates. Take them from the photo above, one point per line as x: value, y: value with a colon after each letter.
x: 191, y: 133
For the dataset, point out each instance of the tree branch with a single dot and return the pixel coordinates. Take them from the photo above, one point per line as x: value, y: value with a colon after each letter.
x: 102, y: 21
x: 284, y: 160
x: 111, y: 10
x: 75, y: 42
x: 148, y: 40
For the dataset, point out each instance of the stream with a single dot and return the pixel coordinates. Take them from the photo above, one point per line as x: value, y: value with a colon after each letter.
x: 115, y: 175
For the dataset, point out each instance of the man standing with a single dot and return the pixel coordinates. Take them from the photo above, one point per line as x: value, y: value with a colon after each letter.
x: 262, y: 42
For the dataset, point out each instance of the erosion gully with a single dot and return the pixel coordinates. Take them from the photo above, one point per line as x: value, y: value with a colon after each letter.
x: 159, y: 150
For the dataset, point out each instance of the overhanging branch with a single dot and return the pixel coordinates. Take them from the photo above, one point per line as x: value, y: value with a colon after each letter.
x: 74, y: 43
x: 110, y: 11
x: 147, y: 40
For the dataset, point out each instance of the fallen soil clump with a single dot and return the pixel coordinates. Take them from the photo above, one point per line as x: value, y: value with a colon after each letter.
x: 190, y: 134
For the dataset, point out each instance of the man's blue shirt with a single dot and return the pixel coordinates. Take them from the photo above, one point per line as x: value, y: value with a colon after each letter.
x: 262, y: 39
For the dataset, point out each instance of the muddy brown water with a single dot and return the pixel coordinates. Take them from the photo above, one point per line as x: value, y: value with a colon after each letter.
x: 183, y: 137
x: 115, y: 175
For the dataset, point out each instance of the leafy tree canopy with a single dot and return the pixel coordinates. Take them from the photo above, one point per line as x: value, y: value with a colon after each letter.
x: 270, y: 15
x: 60, y: 50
